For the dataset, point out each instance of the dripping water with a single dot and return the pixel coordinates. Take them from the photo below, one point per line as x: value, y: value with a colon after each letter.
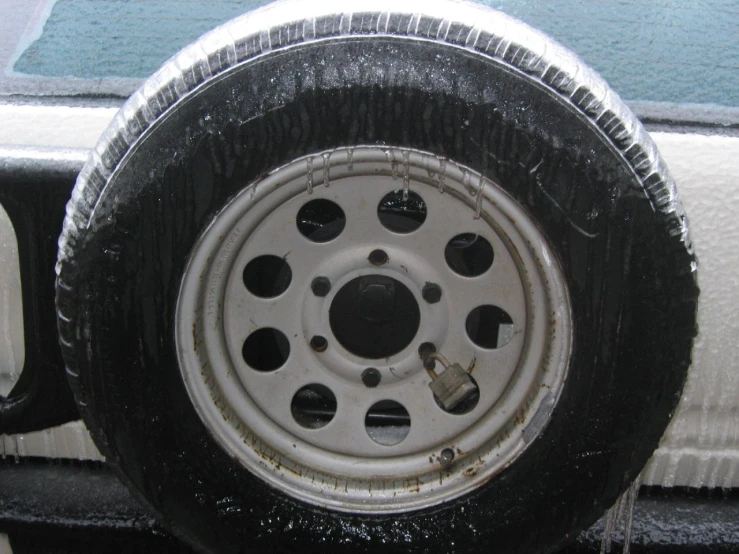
x: 326, y: 169
x: 350, y: 158
x: 442, y: 174
x: 406, y: 175
x: 466, y: 182
x: 309, y: 163
x: 478, y: 200
x: 391, y: 160
x: 620, y: 518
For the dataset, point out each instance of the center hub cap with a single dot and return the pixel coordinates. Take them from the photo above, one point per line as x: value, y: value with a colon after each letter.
x: 374, y: 316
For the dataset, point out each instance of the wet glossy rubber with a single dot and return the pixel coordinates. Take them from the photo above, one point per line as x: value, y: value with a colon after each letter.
x: 513, y: 106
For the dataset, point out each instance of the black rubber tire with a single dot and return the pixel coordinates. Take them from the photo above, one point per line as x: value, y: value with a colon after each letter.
x: 512, y: 105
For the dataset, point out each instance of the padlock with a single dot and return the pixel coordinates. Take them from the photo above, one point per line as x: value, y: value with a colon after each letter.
x: 453, y: 386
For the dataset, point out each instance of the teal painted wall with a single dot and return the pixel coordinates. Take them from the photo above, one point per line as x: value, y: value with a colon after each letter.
x: 649, y: 50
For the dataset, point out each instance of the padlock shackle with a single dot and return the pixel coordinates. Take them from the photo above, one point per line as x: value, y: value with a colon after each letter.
x: 436, y: 356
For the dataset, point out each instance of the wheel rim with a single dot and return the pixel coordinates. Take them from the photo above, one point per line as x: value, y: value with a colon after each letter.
x: 291, y: 389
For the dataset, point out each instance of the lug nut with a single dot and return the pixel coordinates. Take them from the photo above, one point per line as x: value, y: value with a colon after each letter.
x: 320, y: 286
x: 446, y: 457
x: 318, y: 343
x: 378, y: 257
x: 431, y: 293
x: 425, y: 349
x: 371, y: 377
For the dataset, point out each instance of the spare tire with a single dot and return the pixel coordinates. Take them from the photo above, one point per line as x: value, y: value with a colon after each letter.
x: 281, y: 226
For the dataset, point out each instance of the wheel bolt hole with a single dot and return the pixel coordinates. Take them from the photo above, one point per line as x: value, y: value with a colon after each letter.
x: 378, y: 257
x: 321, y: 220
x: 387, y: 422
x: 318, y: 343
x: 402, y: 216
x: 469, y: 255
x: 313, y: 406
x: 267, y: 276
x: 489, y: 327
x: 266, y: 350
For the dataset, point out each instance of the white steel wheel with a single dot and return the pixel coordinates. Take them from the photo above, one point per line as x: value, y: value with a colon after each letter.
x: 307, y: 300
